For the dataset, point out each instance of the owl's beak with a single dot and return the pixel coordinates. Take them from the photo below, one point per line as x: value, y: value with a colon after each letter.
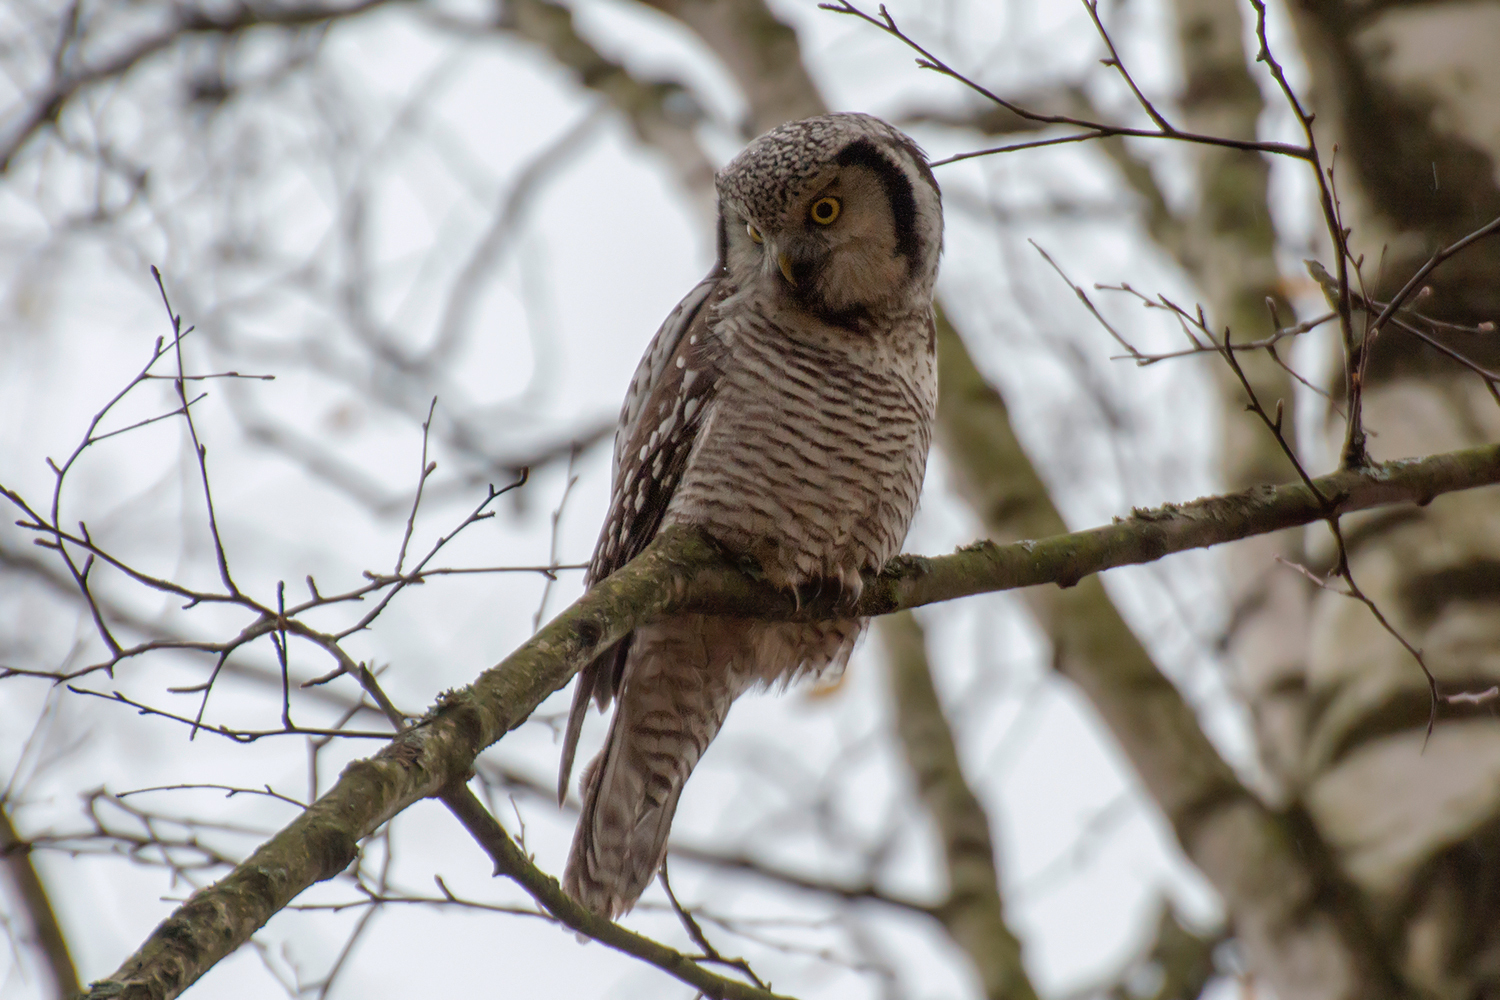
x: 785, y: 263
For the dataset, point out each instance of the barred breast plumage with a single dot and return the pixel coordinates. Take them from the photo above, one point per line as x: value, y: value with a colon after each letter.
x: 785, y: 408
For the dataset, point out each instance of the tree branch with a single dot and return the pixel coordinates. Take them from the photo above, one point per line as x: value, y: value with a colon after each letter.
x: 16, y: 855
x: 45, y: 106
x: 511, y: 862
x: 681, y: 570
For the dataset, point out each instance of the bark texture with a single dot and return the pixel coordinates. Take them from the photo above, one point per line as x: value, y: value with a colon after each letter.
x: 1407, y: 92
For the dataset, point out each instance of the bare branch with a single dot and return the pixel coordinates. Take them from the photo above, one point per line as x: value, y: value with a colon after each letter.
x: 44, y: 107
x: 511, y: 862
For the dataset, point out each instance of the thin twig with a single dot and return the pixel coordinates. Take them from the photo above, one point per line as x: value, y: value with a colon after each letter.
x: 1092, y: 129
x: 427, y: 469
x: 710, y: 953
x: 238, y: 735
x: 230, y: 791
x: 1415, y: 282
x: 557, y: 513
x: 200, y: 451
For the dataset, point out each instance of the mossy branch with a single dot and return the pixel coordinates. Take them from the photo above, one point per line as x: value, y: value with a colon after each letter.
x: 682, y: 570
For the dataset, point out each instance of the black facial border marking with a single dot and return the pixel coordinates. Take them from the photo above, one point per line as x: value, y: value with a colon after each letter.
x: 723, y: 239
x: 898, y: 191
x: 920, y: 159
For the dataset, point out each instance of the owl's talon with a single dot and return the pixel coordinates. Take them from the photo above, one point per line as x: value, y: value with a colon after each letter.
x: 845, y: 588
x: 851, y: 588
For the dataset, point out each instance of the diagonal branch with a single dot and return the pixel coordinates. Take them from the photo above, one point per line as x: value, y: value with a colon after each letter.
x: 681, y: 570
x: 15, y: 857
x: 512, y: 862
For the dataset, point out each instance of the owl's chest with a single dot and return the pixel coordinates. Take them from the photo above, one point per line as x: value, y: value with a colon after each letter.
x: 821, y: 443
x: 828, y: 407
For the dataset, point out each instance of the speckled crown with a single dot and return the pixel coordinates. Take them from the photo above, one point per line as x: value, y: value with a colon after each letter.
x: 768, y: 174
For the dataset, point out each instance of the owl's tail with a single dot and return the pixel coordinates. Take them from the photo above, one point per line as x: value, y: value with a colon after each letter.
x: 671, y: 708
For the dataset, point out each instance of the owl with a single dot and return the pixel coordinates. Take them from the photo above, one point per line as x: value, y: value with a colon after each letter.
x: 785, y: 407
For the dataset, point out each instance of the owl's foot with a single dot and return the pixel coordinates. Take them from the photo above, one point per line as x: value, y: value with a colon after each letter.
x: 844, y: 586
x: 806, y: 579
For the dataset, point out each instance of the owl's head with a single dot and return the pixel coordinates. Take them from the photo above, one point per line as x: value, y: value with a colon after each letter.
x: 840, y: 213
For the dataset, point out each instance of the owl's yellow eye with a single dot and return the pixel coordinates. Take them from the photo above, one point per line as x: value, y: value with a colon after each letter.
x: 754, y: 234
x: 824, y: 211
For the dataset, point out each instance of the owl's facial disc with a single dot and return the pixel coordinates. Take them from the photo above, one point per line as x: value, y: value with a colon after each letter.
x: 841, y: 244
x: 844, y: 216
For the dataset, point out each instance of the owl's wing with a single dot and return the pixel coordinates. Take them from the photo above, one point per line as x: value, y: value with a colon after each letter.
x: 658, y: 426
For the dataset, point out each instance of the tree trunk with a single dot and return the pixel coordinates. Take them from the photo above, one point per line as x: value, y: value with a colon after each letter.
x: 1410, y: 93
